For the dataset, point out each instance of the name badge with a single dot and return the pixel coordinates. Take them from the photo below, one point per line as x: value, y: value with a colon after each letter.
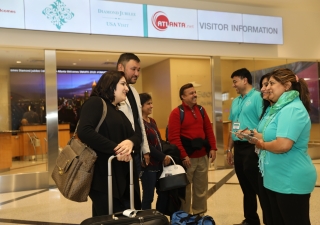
x: 236, y: 126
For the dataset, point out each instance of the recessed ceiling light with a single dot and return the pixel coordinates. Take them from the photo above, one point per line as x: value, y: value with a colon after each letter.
x: 18, y: 61
x: 74, y: 63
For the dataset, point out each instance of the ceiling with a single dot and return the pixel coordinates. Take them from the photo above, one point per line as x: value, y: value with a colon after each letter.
x: 293, y: 4
x: 30, y: 58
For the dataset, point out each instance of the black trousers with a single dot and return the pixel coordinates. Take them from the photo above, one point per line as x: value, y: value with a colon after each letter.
x: 289, y: 209
x: 100, y: 203
x: 264, y: 202
x: 247, y: 171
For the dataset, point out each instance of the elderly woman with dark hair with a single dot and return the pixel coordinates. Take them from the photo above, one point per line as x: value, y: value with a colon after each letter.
x: 115, y: 136
x: 288, y: 173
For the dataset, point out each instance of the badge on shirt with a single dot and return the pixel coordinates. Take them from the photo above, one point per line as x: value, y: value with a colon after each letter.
x: 236, y: 126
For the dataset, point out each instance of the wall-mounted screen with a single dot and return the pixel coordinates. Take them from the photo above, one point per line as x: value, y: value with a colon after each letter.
x: 116, y: 18
x: 28, y: 94
x: 57, y: 15
x: 168, y: 22
x: 12, y: 14
x: 309, y: 72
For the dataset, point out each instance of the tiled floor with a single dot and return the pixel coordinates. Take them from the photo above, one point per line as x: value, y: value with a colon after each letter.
x: 48, y: 207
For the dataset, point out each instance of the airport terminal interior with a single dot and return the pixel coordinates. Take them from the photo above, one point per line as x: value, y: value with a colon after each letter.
x: 27, y: 156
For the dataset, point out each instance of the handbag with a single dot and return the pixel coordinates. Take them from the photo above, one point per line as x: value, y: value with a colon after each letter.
x: 172, y: 177
x: 183, y: 218
x: 73, y: 171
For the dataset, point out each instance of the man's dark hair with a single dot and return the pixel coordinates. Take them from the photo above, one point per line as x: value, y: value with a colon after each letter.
x: 107, y: 84
x: 243, y: 73
x: 126, y: 57
x: 184, y: 87
x: 144, y: 97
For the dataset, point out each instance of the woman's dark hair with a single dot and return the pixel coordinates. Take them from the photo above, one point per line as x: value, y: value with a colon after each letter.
x: 266, y: 103
x: 144, y: 97
x: 107, y: 84
x: 184, y: 87
x: 286, y: 75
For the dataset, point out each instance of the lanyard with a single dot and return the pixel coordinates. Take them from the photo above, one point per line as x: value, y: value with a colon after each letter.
x: 241, y: 106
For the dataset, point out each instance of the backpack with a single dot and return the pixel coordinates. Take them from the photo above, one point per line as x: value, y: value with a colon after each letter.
x: 183, y: 218
x: 181, y: 110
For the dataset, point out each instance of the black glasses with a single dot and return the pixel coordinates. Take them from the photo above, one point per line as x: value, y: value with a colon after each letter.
x: 194, y: 114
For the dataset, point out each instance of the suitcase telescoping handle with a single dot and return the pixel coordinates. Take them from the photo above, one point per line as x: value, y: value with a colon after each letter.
x: 110, y: 185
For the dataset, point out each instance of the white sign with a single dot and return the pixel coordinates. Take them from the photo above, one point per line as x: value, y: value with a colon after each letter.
x: 166, y: 22
x: 58, y: 15
x: 12, y: 14
x: 218, y: 26
x: 116, y: 18
x: 262, y: 29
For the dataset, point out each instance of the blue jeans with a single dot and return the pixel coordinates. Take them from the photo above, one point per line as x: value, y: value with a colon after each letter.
x: 137, y: 162
x: 149, y: 182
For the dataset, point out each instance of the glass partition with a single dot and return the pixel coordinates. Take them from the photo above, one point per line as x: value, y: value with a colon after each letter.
x: 23, y: 144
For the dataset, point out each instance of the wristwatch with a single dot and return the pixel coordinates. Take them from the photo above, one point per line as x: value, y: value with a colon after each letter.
x: 228, y: 150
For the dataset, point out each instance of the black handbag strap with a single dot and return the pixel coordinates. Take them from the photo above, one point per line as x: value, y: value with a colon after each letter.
x: 104, y: 114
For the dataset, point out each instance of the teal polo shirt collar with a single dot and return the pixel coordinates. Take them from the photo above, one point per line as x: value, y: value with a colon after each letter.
x: 245, y: 119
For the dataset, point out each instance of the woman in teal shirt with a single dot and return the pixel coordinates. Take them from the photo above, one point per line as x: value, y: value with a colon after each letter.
x: 289, y: 175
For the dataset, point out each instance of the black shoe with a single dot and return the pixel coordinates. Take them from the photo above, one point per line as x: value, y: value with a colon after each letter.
x: 243, y: 223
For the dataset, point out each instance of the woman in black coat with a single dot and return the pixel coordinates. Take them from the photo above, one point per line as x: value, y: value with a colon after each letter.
x: 115, y: 137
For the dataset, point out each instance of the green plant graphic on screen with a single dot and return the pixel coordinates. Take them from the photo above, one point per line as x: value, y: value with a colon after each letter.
x: 58, y: 13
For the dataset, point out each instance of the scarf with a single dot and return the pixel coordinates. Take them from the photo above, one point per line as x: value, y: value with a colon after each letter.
x: 284, y: 100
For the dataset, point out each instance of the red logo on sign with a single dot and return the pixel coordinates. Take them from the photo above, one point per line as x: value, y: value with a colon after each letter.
x: 160, y: 21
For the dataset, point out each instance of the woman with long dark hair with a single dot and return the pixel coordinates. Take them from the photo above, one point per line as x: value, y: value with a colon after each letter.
x: 115, y: 137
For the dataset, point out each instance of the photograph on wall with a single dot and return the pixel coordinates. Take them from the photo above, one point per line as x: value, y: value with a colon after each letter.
x: 309, y: 71
x: 28, y: 102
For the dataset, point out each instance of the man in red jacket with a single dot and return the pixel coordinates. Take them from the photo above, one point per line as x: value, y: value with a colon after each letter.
x: 196, y: 141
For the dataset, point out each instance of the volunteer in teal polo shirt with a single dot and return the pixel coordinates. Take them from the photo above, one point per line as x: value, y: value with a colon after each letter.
x: 245, y: 109
x: 245, y: 113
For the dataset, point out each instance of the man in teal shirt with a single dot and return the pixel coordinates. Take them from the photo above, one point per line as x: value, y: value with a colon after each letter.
x: 245, y: 112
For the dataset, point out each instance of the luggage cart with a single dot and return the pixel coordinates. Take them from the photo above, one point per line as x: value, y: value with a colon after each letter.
x: 33, y: 142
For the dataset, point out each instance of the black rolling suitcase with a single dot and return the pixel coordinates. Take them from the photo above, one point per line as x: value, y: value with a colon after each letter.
x: 129, y: 216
